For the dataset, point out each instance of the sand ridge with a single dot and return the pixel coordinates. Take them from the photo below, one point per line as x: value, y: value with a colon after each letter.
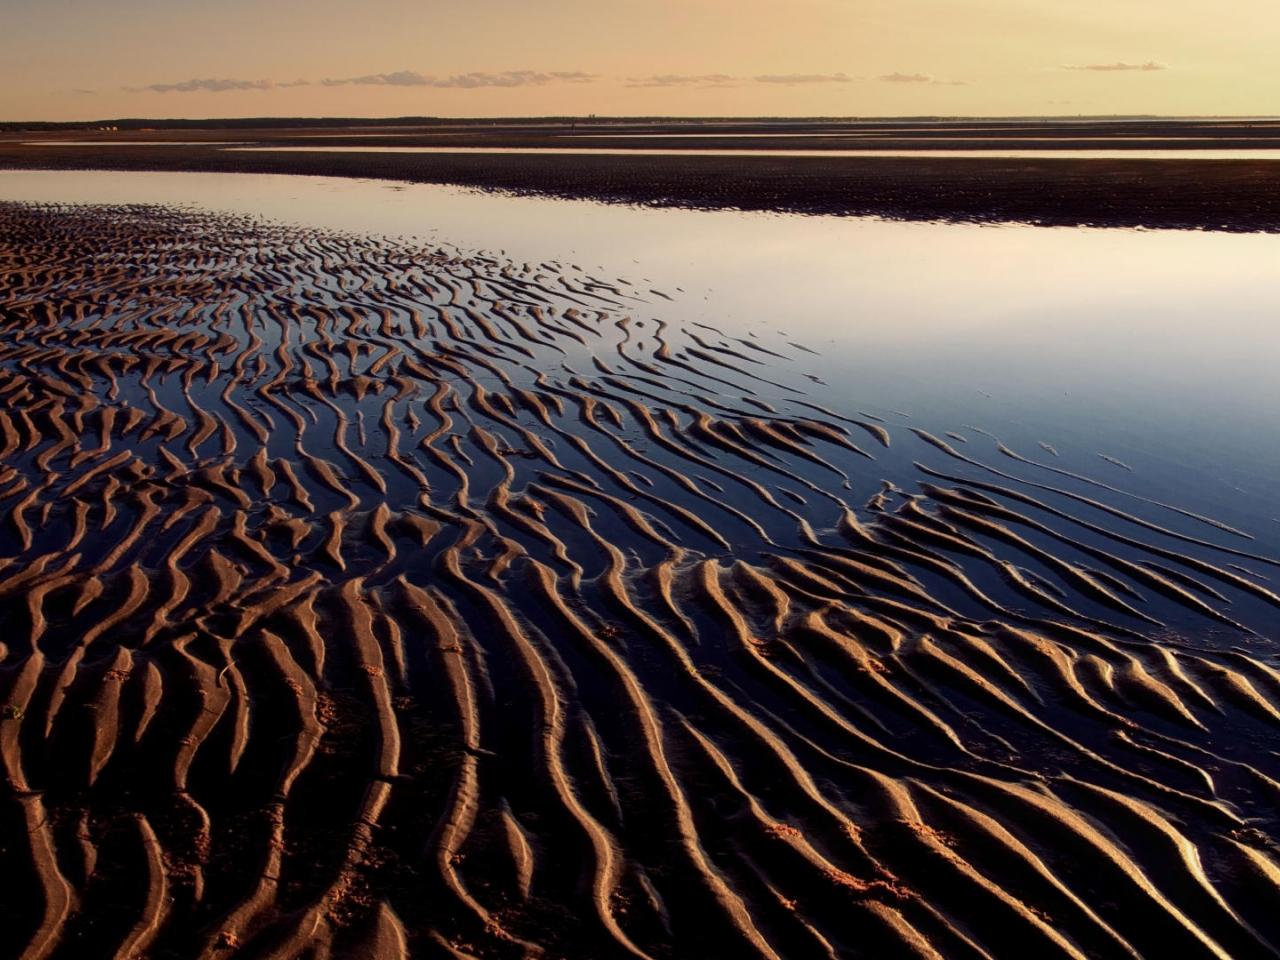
x: 364, y: 599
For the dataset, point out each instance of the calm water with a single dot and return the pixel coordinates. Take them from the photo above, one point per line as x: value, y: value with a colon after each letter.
x: 993, y: 153
x: 892, y: 134
x: 130, y: 143
x: 1157, y: 348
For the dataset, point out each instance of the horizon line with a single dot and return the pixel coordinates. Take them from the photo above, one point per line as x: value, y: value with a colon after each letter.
x: 605, y: 118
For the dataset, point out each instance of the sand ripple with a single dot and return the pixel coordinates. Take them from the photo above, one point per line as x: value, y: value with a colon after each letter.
x: 365, y: 599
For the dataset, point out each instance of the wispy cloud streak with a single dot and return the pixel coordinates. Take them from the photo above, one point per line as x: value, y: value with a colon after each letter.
x: 790, y: 79
x: 538, y: 78
x: 683, y: 80
x: 215, y: 85
x: 463, y: 81
x: 1118, y: 66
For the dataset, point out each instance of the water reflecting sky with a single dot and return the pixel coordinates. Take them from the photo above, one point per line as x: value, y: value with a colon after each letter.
x: 1159, y: 348
x: 992, y: 153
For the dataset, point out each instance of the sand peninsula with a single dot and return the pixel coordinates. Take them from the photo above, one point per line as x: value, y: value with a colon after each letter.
x: 1177, y: 191
x: 370, y: 600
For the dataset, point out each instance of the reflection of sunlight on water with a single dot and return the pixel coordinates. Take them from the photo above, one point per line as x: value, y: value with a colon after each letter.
x: 1159, y: 344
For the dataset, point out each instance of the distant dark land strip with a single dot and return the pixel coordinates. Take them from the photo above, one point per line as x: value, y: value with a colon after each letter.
x: 1233, y: 195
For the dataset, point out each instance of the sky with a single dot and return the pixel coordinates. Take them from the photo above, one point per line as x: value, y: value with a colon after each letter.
x: 97, y: 59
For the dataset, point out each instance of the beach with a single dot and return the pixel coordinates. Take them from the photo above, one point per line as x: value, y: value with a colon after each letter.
x: 372, y: 596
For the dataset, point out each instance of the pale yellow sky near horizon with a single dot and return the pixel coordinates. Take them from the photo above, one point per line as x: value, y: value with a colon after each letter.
x: 73, y: 59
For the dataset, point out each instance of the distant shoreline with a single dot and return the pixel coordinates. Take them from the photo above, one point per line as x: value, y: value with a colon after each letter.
x: 1230, y: 195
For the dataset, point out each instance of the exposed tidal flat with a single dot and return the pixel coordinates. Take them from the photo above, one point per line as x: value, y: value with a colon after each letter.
x: 397, y: 570
x: 1204, y: 174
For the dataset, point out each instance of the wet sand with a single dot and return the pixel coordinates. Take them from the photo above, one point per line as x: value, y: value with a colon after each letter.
x: 1239, y: 195
x: 363, y: 599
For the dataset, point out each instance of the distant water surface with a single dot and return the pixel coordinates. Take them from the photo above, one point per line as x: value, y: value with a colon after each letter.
x: 994, y: 153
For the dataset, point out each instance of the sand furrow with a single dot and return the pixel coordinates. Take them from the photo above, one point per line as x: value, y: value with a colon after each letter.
x: 366, y: 597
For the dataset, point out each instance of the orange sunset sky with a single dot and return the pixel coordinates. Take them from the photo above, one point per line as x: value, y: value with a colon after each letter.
x: 71, y: 59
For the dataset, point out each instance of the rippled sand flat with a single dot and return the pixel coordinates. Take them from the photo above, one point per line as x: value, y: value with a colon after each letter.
x: 365, y: 599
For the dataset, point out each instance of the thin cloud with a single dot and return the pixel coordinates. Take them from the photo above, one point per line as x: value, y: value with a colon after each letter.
x: 949, y: 83
x: 215, y: 85
x: 463, y: 81
x: 797, y: 78
x: 905, y: 78
x: 1119, y: 65
x: 682, y: 80
x: 401, y: 78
